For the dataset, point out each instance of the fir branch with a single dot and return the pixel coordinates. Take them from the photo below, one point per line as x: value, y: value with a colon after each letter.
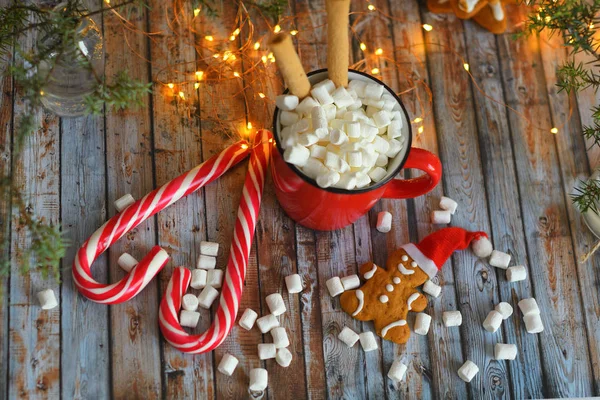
x: 124, y: 92
x: 586, y: 196
x: 271, y: 8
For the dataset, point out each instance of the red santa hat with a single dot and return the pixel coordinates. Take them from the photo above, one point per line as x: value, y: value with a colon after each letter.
x: 432, y: 252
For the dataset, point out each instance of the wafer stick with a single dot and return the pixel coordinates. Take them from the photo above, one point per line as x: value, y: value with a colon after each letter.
x: 337, y: 40
x: 289, y: 64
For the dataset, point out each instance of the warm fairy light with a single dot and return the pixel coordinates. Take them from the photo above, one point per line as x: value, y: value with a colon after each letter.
x: 271, y: 57
x: 363, y: 46
x: 591, y: 25
x: 420, y: 130
x: 554, y: 130
x: 277, y: 28
x: 466, y: 66
x: 196, y: 12
x: 249, y: 125
x: 427, y: 27
x: 196, y: 85
x: 216, y: 55
x: 375, y: 71
x: 199, y: 74
x: 226, y: 55
x: 256, y: 45
x: 209, y: 38
x: 271, y: 140
x: 182, y: 95
x: 371, y: 7
x: 232, y: 38
x: 547, y: 19
x: 261, y: 95
x: 41, y: 93
x: 236, y: 32
x: 294, y: 32
x: 107, y: 1
x: 264, y: 59
x: 170, y: 85
x: 236, y: 74
x: 417, y: 120
x: 244, y: 146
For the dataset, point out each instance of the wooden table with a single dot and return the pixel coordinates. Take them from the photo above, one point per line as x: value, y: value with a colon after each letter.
x: 511, y: 178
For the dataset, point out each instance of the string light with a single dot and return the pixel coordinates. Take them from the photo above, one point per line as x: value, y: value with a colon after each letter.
x: 371, y: 7
x: 196, y: 12
x: 196, y: 85
x: 277, y: 28
x: 427, y: 27
x: 466, y: 66
x: 261, y: 95
x: 554, y: 130
x: 216, y: 55
x: 294, y: 32
x: 271, y: 57
x: 363, y: 46
x: 375, y: 71
x: 417, y: 120
x: 107, y: 1
x: 236, y: 74
x: 249, y: 125
x: 591, y: 25
x: 182, y: 95
x: 379, y: 51
x: 256, y: 45
x: 226, y: 55
x: 170, y: 85
x: 264, y: 59
x: 236, y: 32
x: 41, y: 93
x: 199, y: 74
x: 420, y: 130
x: 244, y: 146
x: 232, y: 38
x: 209, y: 38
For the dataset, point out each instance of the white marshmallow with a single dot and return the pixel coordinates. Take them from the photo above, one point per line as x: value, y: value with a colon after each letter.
x: 482, y: 247
x: 286, y: 102
x: 533, y: 323
x: 332, y: 161
x: 127, y: 262
x: 347, y: 181
x: 368, y: 341
x: 397, y: 371
x: 275, y: 304
x: 373, y: 91
x: 374, y: 105
x: 369, y: 159
x: 499, y: 259
x: 293, y: 283
x: 340, y: 111
x: 350, y: 282
x: 348, y: 336
x: 505, y: 309
x: 341, y: 97
x: 307, y: 139
x: 123, y: 202
x: 266, y: 351
x: 384, y: 221
x: 452, y: 318
x: 493, y: 321
x: 198, y: 278
x: 362, y: 179
x: 353, y: 129
x: 328, y: 179
x: 382, y: 160
x: 322, y: 133
x: 189, y: 302
x: 248, y: 318
x: 306, y: 105
x: 297, y: 155
x: 517, y: 273
x: 228, y: 363
x: 189, y: 318
x: 368, y: 131
x: 505, y: 351
x: 207, y: 296
x: 422, y: 324
x: 330, y: 111
x: 280, y: 337
x: 446, y: 203
x: 440, y: 217
x: 267, y: 322
x: 327, y: 83
x: 334, y: 285
x: 381, y: 145
x: 314, y: 168
x: 259, y: 379
x: 214, y: 278
x: 381, y: 119
x: 468, y: 371
x: 358, y: 86
x: 288, y: 118
x: 318, y: 152
x: 355, y: 159
x: 337, y: 136
x: 394, y: 129
x: 209, y: 248
x: 319, y: 119
x: 397, y: 115
x: 321, y: 94
x: 432, y: 289
x: 283, y: 357
x: 301, y: 126
x: 206, y: 262
x: 529, y: 306
x: 395, y: 147
x: 47, y: 299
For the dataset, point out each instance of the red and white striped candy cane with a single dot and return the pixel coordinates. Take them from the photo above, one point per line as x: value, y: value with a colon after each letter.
x: 132, y: 216
x: 236, y: 268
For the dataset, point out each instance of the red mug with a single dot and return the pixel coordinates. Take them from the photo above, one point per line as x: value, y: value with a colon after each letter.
x: 332, y: 208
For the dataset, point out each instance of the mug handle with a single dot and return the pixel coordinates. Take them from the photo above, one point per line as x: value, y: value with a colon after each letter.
x: 409, y: 188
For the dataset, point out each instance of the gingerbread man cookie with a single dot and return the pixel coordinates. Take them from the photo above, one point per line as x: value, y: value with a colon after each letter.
x: 489, y: 14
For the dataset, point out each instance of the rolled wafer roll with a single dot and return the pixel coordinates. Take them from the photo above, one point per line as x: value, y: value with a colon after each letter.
x: 289, y: 64
x: 337, y: 40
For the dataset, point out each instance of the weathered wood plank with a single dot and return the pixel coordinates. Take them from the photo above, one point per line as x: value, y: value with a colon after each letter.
x: 566, y: 362
x: 135, y: 343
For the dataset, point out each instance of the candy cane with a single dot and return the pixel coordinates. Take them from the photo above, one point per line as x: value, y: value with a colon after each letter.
x: 236, y: 267
x: 132, y: 216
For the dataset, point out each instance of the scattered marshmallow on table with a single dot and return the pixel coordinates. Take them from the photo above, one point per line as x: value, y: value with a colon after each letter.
x: 207, y: 296
x: 517, y: 273
x: 446, y: 203
x: 468, y: 371
x: 267, y: 322
x: 248, y: 318
x: 505, y: 309
x: 286, y: 102
x: 368, y: 341
x: 432, y: 289
x: 397, y: 371
x: 189, y: 302
x: 348, y: 336
x: 505, y: 351
x: 529, y: 306
x: 452, y: 318
x: 214, y: 278
x: 384, y: 222
x: 422, y: 324
x: 499, y: 259
x: 259, y: 379
x: 283, y: 357
x: 206, y: 262
x: 350, y: 282
x: 334, y: 286
x: 189, y: 318
x: 47, y: 299
x: 275, y: 304
x: 493, y: 321
x: 123, y: 202
x: 280, y: 337
x: 127, y: 262
x: 198, y: 278
x: 228, y: 364
x: 293, y: 283
x: 441, y: 217
x: 533, y: 323
x: 266, y: 351
x: 209, y: 248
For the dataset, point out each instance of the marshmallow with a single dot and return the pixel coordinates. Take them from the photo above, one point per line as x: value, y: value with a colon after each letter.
x: 319, y: 119
x: 440, y: 217
x: 248, y: 318
x: 341, y: 97
x: 373, y: 91
x: 529, y: 306
x: 493, y: 321
x: 335, y: 287
x: 446, y: 203
x: 308, y: 139
x: 266, y: 351
x: 468, y: 370
x: 266, y: 323
x: 384, y: 222
x: 283, y: 357
x: 189, y: 318
x: 123, y: 202
x: 209, y: 248
x: 293, y: 283
x: 306, y: 105
x: 348, y: 336
x: 280, y: 337
x: 499, y: 259
x: 452, y: 318
x: 373, y: 106
x: 505, y: 351
x: 362, y: 179
x: 321, y: 94
x: 340, y: 111
x: 394, y: 129
x: 198, y: 278
x: 482, y: 247
x: 515, y: 274
x: 358, y: 87
x: 381, y: 145
x: 301, y: 126
x: 505, y: 309
x: 353, y: 129
x: 275, y: 304
x: 355, y: 159
x: 382, y: 160
x: 369, y: 159
x: 350, y: 282
x: 259, y: 379
x: 328, y: 179
x: 206, y: 262
x: 347, y: 181
x: 533, y: 323
x: 297, y: 155
x: 381, y: 119
x: 337, y: 137
x: 432, y: 289
x: 327, y: 83
x: 286, y: 102
x: 397, y: 371
x: 47, y: 299
x: 367, y: 341
x: 228, y: 363
x: 288, y: 118
x: 207, y: 296
x: 314, y: 168
x: 214, y: 278
x: 127, y: 262
x: 368, y: 131
x: 189, y: 302
x: 330, y: 111
x: 422, y: 323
